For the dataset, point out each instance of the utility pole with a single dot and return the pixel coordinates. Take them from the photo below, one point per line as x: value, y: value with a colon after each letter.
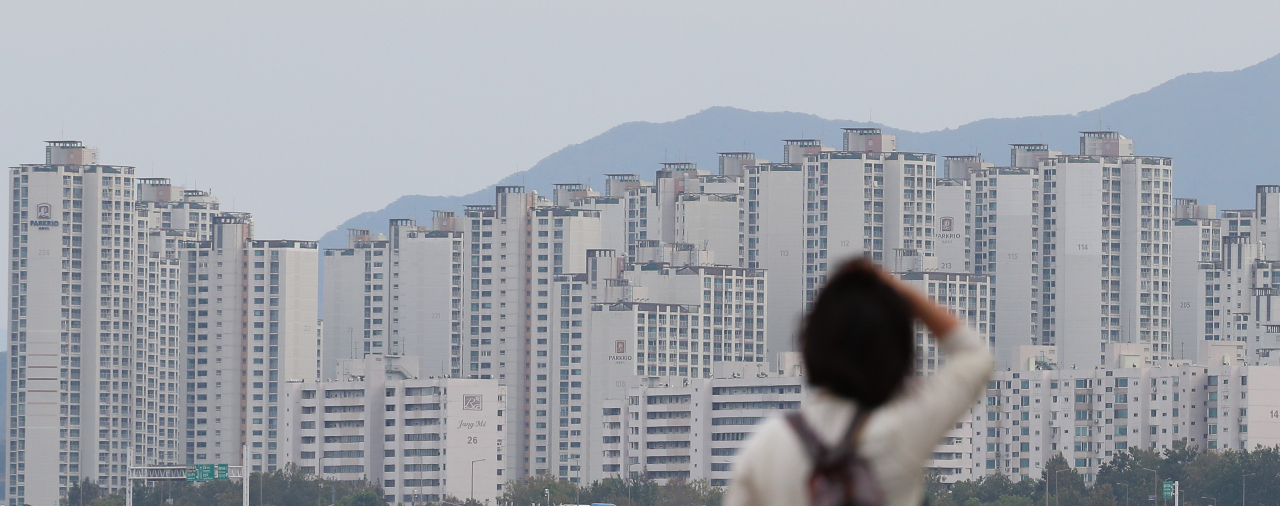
x: 128, y: 484
x: 1157, y: 478
x: 1057, y: 485
x: 244, y: 478
x: 473, y: 477
x: 1242, y: 489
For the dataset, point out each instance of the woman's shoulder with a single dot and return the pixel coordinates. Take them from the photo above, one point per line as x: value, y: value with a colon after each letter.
x: 771, y: 428
x: 767, y: 439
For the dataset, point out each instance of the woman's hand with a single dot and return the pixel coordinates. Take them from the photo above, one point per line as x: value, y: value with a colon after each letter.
x: 936, y: 317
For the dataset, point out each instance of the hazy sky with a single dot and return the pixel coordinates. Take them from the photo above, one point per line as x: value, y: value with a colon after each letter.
x: 308, y: 113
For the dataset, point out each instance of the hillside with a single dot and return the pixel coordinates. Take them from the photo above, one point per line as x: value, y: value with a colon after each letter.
x: 1218, y: 126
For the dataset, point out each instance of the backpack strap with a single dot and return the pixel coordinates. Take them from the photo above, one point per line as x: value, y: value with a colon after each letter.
x: 812, y: 444
x: 817, y: 450
x: 854, y: 433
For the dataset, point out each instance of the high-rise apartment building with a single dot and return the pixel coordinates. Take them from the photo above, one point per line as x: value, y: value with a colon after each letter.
x: 1196, y: 265
x: 248, y: 314
x: 688, y: 206
x: 968, y: 296
x: 775, y: 242
x: 1007, y: 209
x: 91, y: 315
x: 512, y: 250
x: 953, y: 237
x: 864, y: 201
x: 395, y: 294
x: 148, y: 327
x: 1108, y: 212
x: 1267, y: 206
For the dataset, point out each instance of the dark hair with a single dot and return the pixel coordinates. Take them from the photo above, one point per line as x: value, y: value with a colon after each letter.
x: 857, y: 341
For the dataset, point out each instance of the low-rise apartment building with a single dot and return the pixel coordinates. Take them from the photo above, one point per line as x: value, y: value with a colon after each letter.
x: 694, y: 429
x: 419, y: 438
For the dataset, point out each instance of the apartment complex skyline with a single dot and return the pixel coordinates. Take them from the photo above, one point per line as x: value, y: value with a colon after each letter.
x: 147, y: 327
x: 569, y: 302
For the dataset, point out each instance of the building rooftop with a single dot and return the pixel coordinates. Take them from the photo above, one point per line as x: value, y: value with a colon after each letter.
x: 1103, y: 134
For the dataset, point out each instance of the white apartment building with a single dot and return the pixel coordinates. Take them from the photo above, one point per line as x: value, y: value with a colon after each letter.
x: 681, y: 427
x: 1007, y: 225
x: 967, y: 295
x: 82, y: 270
x: 395, y: 294
x: 1196, y: 265
x: 249, y: 320
x: 775, y: 243
x: 1089, y: 415
x: 692, y: 430
x: 874, y: 203
x: 613, y: 216
x: 254, y: 327
x: 513, y: 249
x: 181, y: 289
x: 954, y: 236
x: 690, y: 206
x: 1244, y: 296
x: 619, y: 325
x: 1267, y: 207
x: 1107, y: 212
x: 420, y: 438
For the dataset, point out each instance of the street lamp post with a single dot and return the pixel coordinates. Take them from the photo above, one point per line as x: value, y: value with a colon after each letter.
x: 1057, y: 486
x: 1242, y: 490
x: 578, y: 489
x: 1155, y: 475
x: 1126, y: 492
x: 473, y: 477
x: 1215, y: 501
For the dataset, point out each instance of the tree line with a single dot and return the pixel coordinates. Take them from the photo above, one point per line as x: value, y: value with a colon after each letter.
x: 291, y: 487
x: 1132, y: 478
x: 285, y: 487
x: 635, y: 491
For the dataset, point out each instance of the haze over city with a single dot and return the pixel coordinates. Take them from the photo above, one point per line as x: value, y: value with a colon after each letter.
x: 298, y: 254
x: 258, y: 100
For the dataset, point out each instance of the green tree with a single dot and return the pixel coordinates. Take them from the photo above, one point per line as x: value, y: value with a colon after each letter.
x: 535, y: 490
x: 362, y: 498
x: 1012, y: 500
x: 449, y: 500
x: 81, y: 494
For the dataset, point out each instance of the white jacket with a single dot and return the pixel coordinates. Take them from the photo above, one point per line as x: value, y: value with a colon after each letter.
x: 774, y: 469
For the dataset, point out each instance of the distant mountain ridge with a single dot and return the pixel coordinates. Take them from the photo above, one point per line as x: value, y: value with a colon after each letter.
x: 1221, y: 128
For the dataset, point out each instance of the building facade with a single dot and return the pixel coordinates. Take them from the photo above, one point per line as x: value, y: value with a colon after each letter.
x: 1110, y: 212
x: 420, y: 439
x: 92, y: 313
x: 398, y: 293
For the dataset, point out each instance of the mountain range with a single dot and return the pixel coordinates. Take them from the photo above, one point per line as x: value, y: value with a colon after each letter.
x: 1221, y: 128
